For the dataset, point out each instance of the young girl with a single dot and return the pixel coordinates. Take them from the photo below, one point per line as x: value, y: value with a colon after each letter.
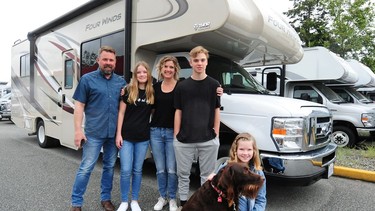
x: 244, y: 150
x: 133, y: 132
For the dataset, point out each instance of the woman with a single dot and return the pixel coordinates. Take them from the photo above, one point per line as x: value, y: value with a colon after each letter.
x: 162, y: 132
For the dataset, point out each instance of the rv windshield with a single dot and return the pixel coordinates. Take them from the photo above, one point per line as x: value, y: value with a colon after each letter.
x: 232, y: 77
x: 330, y: 94
x: 361, y: 98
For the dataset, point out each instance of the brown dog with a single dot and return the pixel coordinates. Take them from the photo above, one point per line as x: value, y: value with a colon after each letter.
x: 223, y: 191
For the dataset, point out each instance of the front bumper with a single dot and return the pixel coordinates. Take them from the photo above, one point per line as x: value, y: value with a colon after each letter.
x: 5, y: 114
x: 300, y: 169
x: 366, y: 132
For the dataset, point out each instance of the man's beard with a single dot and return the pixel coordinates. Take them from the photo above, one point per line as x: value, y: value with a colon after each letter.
x: 106, y: 71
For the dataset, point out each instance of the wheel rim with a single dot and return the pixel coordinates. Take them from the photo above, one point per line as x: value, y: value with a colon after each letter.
x: 41, y: 134
x: 340, y: 138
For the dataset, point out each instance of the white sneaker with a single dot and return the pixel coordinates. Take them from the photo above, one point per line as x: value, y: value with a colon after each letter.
x: 135, y: 206
x: 172, y: 205
x: 179, y: 208
x: 161, y: 203
x: 123, y: 206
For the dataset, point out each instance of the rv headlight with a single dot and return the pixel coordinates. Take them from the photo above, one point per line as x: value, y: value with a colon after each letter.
x: 368, y: 119
x: 288, y: 133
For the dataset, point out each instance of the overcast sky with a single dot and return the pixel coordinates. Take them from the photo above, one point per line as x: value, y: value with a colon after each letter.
x: 22, y: 16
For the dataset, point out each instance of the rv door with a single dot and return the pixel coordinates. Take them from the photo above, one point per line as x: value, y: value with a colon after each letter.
x: 69, y: 81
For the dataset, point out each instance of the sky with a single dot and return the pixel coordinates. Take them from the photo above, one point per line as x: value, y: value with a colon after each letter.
x: 18, y: 20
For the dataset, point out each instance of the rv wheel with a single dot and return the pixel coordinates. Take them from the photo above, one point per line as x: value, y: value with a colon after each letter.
x: 343, y: 136
x: 219, y: 162
x: 43, y: 140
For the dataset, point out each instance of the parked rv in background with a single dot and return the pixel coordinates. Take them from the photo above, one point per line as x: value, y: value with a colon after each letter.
x: 47, y: 67
x: 309, y: 80
x: 366, y: 78
x: 368, y: 92
x: 5, y: 88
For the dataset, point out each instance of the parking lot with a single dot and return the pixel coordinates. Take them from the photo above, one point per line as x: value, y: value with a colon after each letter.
x: 33, y: 178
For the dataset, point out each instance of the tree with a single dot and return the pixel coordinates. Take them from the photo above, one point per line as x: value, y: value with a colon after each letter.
x: 346, y: 27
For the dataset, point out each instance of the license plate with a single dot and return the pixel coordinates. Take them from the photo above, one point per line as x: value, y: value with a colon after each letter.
x: 330, y: 170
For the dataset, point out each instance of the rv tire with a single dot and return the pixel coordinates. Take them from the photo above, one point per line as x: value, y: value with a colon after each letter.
x: 219, y: 162
x: 43, y: 140
x: 343, y: 136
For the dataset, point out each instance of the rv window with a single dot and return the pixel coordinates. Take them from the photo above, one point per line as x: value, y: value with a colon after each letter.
x: 344, y: 95
x: 232, y: 76
x: 89, y: 52
x: 25, y: 65
x: 307, y: 93
x: 186, y: 70
x: 69, y: 70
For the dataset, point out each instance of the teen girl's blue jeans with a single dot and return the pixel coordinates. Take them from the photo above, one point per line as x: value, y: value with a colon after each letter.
x: 165, y: 161
x: 132, y: 156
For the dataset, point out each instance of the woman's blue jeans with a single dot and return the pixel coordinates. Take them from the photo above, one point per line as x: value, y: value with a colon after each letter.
x: 165, y: 161
x: 132, y: 156
x: 90, y: 153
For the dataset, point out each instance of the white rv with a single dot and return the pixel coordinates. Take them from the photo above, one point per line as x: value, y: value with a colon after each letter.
x: 5, y: 88
x: 366, y: 83
x: 311, y: 79
x: 295, y: 132
x: 366, y: 78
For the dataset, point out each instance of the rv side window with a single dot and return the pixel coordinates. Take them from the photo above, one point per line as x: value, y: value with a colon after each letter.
x: 25, y: 65
x: 307, y: 93
x: 186, y: 70
x: 69, y: 70
x: 344, y: 95
x: 89, y: 52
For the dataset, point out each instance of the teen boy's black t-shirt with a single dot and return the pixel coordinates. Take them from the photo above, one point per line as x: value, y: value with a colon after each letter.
x: 197, y: 100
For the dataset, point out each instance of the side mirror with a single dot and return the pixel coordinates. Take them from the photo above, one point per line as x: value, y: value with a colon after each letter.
x: 271, y: 81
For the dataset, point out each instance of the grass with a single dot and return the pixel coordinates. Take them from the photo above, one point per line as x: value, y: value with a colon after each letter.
x: 357, y: 158
x: 345, y: 151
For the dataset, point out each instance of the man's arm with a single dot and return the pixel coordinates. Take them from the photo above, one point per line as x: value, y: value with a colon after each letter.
x: 78, y: 118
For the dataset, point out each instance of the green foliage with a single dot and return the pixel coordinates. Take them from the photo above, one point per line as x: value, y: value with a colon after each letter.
x: 343, y: 152
x: 346, y: 27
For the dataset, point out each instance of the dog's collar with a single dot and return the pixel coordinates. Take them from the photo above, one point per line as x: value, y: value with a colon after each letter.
x: 221, y: 194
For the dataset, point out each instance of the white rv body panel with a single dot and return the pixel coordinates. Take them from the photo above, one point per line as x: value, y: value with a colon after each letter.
x: 242, y: 30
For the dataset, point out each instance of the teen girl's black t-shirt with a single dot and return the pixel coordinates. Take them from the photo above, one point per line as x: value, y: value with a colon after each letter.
x: 136, y: 125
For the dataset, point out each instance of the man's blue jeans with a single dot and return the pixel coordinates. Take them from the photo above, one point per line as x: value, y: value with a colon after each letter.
x: 90, y: 153
x: 165, y: 161
x: 132, y: 156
